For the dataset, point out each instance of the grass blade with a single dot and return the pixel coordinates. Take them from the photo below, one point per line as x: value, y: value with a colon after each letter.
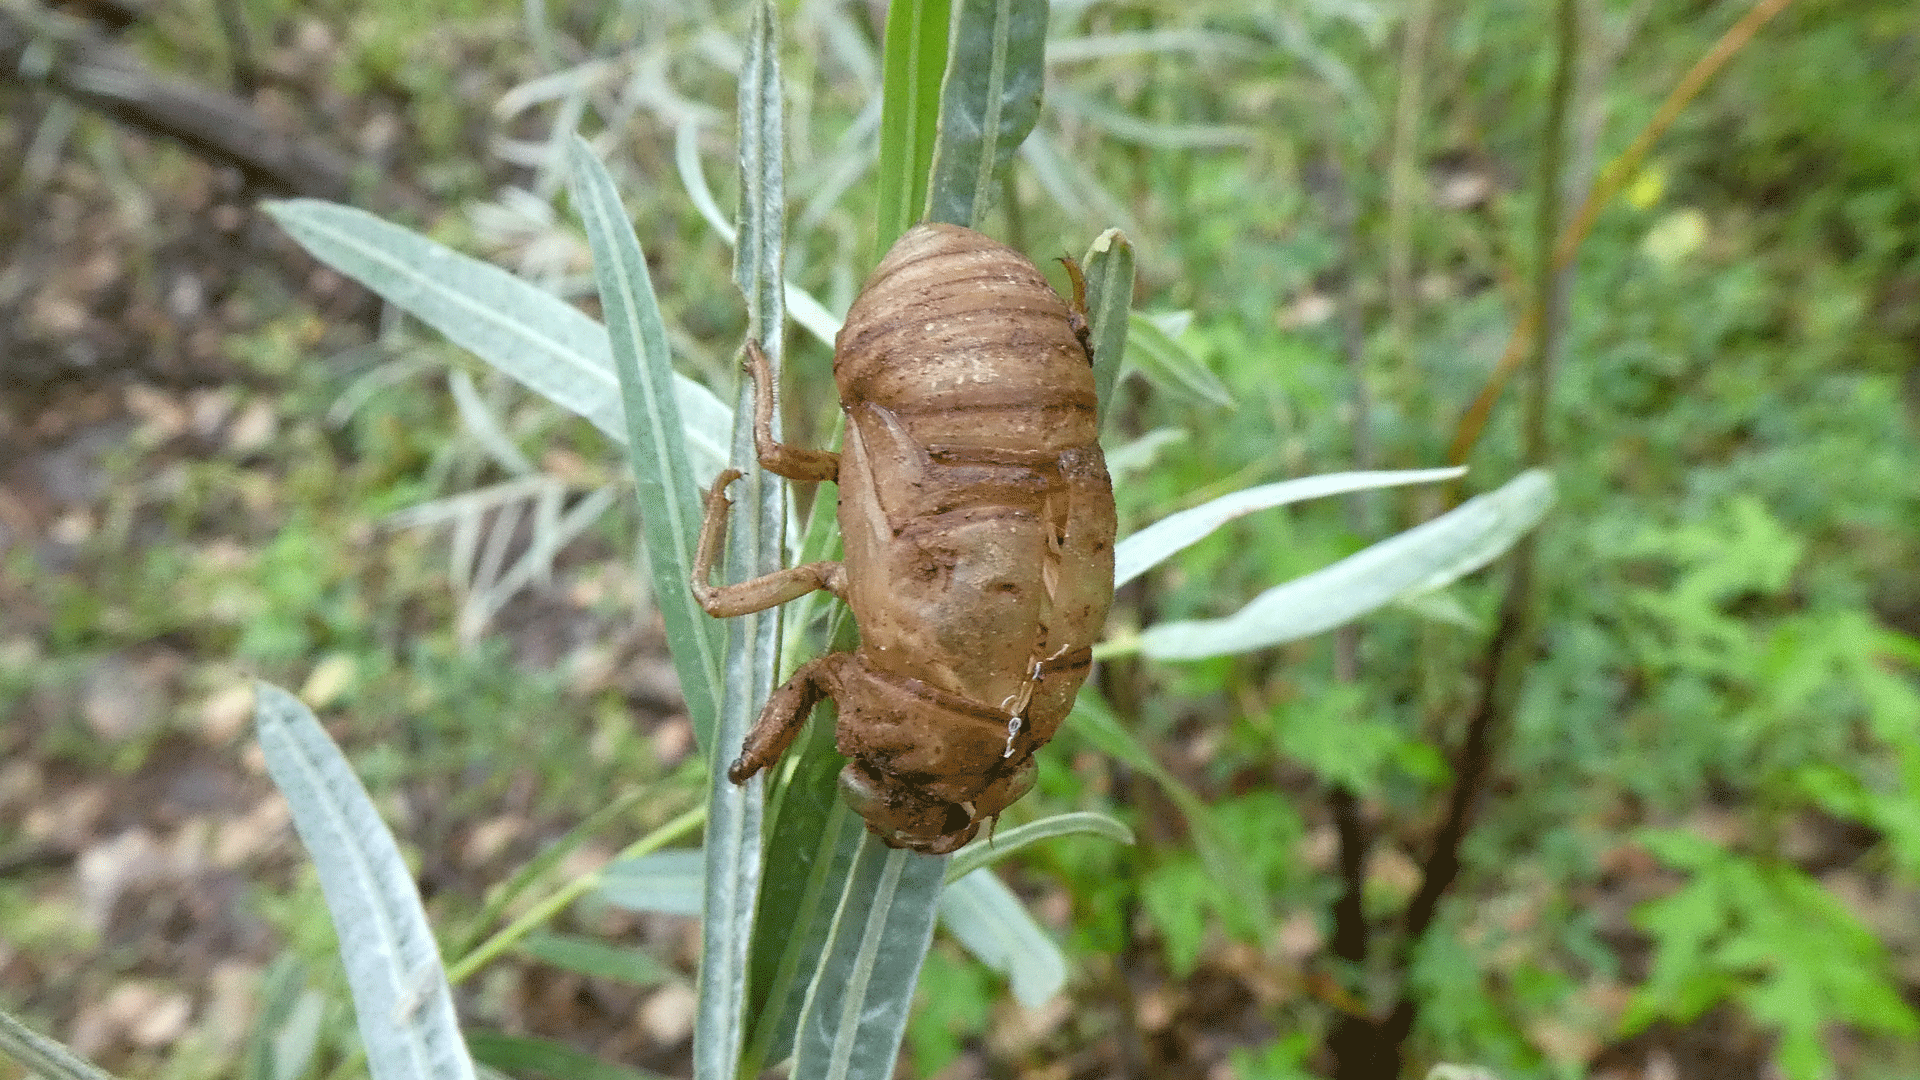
x: 520, y: 1055
x: 989, y: 101
x: 856, y: 1010
x: 42, y: 1056
x: 1422, y: 558
x: 915, y: 61
x: 663, y: 479
x: 589, y: 956
x: 1159, y: 541
x: 400, y: 992
x: 812, y: 841
x: 986, y: 917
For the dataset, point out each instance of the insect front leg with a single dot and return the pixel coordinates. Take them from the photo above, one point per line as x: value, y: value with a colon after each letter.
x: 758, y: 594
x: 785, y: 714
x: 790, y: 461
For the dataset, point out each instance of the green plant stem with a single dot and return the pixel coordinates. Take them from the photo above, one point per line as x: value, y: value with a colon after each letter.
x: 516, y: 931
x: 1404, y: 174
x: 1611, y: 180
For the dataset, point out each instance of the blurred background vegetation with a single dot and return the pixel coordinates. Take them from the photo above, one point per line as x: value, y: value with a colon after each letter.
x: 1696, y: 852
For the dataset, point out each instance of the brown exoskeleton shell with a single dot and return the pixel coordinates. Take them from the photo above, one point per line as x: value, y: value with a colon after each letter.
x: 978, y: 523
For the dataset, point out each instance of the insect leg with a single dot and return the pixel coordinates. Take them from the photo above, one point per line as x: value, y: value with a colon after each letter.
x: 790, y: 461
x: 757, y: 594
x: 1077, y: 311
x: 780, y: 721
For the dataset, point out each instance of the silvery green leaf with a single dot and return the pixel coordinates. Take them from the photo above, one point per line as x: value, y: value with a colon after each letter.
x: 986, y: 850
x: 1424, y: 557
x: 536, y: 338
x: 989, y: 101
x: 663, y: 882
x: 755, y: 546
x: 670, y: 503
x: 400, y: 992
x: 857, y: 1006
x: 1153, y: 545
x: 986, y: 917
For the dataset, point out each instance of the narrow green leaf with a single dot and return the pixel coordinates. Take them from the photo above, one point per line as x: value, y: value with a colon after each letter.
x: 1073, y: 187
x: 1424, y: 557
x: 1109, y: 272
x: 759, y: 254
x: 587, y: 956
x: 810, y: 849
x: 856, y: 1010
x: 534, y: 337
x: 663, y: 480
x: 1159, y: 541
x: 519, y: 1055
x: 670, y: 882
x: 1127, y: 127
x: 802, y: 306
x: 48, y: 1058
x: 914, y: 62
x: 984, y: 851
x: 693, y: 178
x: 755, y: 546
x: 985, y: 916
x: 989, y: 101
x: 1156, y: 353
x: 400, y: 991
x: 286, y: 1029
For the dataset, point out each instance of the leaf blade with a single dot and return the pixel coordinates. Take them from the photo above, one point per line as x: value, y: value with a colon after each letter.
x: 1422, y: 558
x: 989, y: 101
x: 991, y: 922
x: 856, y: 1010
x: 534, y: 337
x: 1159, y: 541
x: 1109, y: 274
x: 915, y: 59
x: 663, y: 478
x: 400, y: 992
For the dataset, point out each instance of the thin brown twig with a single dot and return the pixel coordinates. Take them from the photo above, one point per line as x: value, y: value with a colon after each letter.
x: 1614, y: 177
x: 1510, y: 649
